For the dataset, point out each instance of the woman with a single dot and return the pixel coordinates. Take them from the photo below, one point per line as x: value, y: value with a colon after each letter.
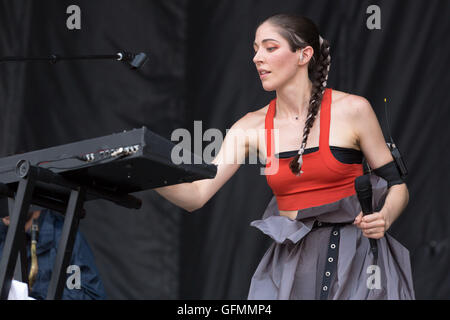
x: 321, y: 247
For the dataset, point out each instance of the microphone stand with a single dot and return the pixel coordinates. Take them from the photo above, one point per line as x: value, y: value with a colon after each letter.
x: 134, y: 60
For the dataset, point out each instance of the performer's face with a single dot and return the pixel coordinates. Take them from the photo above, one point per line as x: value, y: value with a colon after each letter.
x: 273, y: 54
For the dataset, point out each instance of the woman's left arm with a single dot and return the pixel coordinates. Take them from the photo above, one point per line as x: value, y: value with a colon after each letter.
x: 373, y: 145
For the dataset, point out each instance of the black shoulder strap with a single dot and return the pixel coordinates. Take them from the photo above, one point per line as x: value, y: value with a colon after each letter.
x: 400, y: 163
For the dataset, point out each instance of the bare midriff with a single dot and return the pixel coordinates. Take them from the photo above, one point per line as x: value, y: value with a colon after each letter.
x: 290, y: 214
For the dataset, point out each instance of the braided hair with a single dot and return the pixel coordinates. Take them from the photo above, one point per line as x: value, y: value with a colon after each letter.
x: 301, y: 32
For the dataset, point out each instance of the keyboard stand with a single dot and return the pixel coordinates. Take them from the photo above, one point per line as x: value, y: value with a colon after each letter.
x: 24, y: 196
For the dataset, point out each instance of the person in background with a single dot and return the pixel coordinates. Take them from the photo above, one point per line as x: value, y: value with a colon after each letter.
x: 47, y: 226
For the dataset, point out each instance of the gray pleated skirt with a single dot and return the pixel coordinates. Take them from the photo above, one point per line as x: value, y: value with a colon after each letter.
x: 334, y: 261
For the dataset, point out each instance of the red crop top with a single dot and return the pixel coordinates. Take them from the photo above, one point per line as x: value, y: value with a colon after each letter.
x: 325, y: 179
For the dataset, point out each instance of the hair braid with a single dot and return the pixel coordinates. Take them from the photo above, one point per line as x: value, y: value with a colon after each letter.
x: 320, y: 77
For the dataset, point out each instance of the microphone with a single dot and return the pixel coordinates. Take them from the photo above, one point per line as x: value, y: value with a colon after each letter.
x: 363, y: 189
x: 134, y: 60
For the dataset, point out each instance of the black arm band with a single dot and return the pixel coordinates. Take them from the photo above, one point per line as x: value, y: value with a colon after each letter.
x: 390, y: 173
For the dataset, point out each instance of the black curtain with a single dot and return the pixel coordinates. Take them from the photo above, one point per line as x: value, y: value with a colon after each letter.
x: 201, y: 68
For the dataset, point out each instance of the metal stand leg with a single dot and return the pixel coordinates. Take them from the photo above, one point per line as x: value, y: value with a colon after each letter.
x: 20, y: 273
x: 66, y: 243
x: 16, y: 234
x: 29, y: 175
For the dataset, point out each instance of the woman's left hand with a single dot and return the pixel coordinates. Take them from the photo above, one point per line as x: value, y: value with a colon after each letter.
x: 373, y: 226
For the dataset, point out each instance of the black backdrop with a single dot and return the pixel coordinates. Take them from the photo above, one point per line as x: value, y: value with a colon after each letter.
x: 201, y: 68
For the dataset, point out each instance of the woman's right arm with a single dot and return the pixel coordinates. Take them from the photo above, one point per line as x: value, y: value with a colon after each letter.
x: 193, y: 196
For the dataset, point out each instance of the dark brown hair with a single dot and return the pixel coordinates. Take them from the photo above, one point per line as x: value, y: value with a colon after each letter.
x: 301, y: 32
